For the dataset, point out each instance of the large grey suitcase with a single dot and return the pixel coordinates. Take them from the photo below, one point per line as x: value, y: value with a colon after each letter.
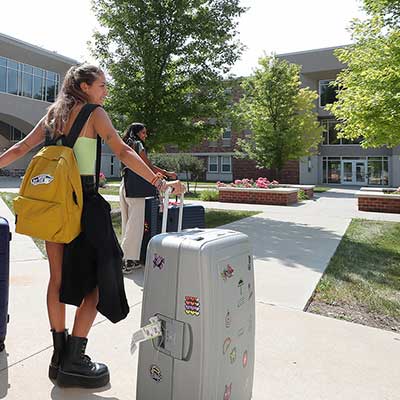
x: 200, y: 283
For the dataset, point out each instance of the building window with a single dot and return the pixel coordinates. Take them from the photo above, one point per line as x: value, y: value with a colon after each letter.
x: 327, y: 92
x: 28, y: 81
x: 112, y: 166
x: 212, y: 164
x: 330, y: 134
x: 354, y: 170
x: 15, y: 134
x: 226, y: 164
x: 378, y: 171
x: 331, y: 170
x: 227, y: 135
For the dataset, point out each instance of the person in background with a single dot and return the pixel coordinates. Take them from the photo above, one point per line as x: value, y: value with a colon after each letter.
x: 132, y: 200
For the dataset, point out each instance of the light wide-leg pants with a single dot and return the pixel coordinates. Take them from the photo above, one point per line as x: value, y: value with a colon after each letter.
x: 132, y: 224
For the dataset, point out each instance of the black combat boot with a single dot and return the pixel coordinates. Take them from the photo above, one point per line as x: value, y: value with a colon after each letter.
x: 77, y: 369
x: 59, y: 342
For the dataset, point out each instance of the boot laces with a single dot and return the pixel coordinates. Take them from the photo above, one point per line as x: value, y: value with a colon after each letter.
x: 84, y: 356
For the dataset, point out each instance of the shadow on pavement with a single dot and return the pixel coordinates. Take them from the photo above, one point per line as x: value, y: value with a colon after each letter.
x: 336, y: 195
x: 291, y: 243
x: 137, y: 276
x: 4, y: 385
x: 80, y: 394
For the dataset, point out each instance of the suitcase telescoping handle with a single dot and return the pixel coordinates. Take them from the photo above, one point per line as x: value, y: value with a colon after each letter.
x: 165, y: 211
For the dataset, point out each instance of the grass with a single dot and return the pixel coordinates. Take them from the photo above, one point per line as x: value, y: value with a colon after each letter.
x: 362, y: 281
x: 320, y: 189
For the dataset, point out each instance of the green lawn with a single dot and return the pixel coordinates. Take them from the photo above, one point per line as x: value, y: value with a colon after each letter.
x: 362, y: 281
x: 320, y: 189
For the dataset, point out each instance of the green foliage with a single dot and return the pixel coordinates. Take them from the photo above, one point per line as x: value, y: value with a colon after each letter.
x: 369, y: 89
x: 301, y: 195
x: 280, y: 114
x: 209, y: 195
x: 389, y: 10
x: 191, y: 166
x: 167, y: 60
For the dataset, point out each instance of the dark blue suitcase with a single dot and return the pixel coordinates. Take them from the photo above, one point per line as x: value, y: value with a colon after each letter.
x: 193, y: 217
x: 5, y: 237
x: 150, y: 224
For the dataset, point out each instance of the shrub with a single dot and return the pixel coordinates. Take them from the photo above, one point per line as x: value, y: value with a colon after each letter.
x: 209, y: 195
x: 301, y: 195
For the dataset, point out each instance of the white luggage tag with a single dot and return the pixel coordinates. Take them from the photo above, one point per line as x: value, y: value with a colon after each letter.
x: 150, y: 331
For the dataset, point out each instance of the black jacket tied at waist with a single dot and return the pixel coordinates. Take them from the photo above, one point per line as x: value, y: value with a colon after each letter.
x: 94, y: 259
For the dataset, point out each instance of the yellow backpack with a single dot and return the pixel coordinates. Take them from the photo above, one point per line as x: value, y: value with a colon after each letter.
x: 50, y: 201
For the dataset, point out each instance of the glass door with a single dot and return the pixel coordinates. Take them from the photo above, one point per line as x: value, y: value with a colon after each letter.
x: 361, y: 172
x: 347, y: 172
x: 354, y: 172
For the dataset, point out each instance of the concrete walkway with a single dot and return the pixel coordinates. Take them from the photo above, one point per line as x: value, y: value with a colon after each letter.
x: 298, y: 355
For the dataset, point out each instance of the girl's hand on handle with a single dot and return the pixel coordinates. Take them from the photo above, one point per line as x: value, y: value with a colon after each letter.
x: 177, y: 187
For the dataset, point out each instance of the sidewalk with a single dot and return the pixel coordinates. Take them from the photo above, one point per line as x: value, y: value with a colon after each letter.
x: 298, y: 355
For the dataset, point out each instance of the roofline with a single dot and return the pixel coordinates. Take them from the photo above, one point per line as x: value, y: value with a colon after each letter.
x: 313, y: 50
x: 48, y: 53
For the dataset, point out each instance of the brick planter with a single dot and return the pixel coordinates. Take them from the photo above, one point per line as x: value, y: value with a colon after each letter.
x: 378, y: 202
x: 281, y: 196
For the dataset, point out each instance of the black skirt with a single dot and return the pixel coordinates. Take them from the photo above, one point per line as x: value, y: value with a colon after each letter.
x: 94, y: 259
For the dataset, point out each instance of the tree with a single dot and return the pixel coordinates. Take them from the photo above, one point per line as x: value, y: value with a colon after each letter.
x: 191, y: 166
x: 279, y: 113
x: 389, y: 10
x: 167, y: 59
x: 369, y: 88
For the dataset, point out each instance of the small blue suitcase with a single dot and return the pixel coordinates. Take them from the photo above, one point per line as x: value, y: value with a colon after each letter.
x: 5, y: 237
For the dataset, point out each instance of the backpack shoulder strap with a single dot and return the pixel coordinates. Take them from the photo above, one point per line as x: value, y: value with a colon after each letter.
x: 98, y: 162
x: 78, y: 124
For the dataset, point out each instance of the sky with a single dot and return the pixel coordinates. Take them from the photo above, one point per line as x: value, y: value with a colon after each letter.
x: 269, y: 26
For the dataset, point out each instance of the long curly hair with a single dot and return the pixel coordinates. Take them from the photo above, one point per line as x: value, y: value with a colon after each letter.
x: 131, y: 133
x: 70, y: 95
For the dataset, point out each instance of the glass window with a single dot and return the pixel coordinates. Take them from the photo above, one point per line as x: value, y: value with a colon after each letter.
x: 227, y: 134
x: 12, y: 64
x: 27, y: 85
x: 50, y: 90
x: 212, y: 164
x: 15, y: 134
x: 226, y: 164
x: 327, y: 93
x: 38, y: 88
x: 37, y: 71
x: 28, y: 81
x: 378, y: 171
x: 334, y: 171
x: 28, y: 68
x: 332, y: 133
x: 12, y: 81
x: 3, y: 79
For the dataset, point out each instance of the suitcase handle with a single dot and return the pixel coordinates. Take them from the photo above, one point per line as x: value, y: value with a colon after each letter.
x: 165, y: 211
